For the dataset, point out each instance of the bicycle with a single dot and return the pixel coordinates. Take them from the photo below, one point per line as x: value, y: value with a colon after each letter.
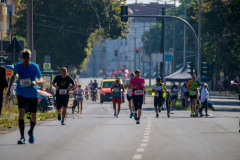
x: 168, y: 104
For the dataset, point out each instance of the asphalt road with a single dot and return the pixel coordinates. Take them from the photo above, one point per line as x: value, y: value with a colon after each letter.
x: 97, y: 135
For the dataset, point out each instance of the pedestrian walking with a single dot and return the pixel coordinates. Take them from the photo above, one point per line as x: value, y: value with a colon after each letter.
x: 174, y: 96
x: 226, y: 85
x: 3, y: 85
x: 219, y: 85
x: 27, y: 92
x: 204, y: 100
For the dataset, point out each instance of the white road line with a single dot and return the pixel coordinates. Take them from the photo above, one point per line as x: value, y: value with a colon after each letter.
x: 137, y: 156
x: 146, y: 137
x: 140, y: 150
x: 145, y: 140
x: 143, y: 145
x: 146, y: 134
x: 147, y: 130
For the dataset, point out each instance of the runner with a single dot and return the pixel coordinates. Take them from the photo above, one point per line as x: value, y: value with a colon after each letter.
x: 3, y: 85
x: 129, y: 96
x: 90, y: 84
x: 159, y: 92
x: 193, y: 86
x: 117, y: 90
x: 27, y: 93
x: 138, y: 85
x: 12, y: 95
x: 204, y: 100
x: 79, y: 93
x: 61, y: 83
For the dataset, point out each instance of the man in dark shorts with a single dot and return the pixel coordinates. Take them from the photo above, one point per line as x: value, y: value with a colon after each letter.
x: 62, y: 84
x: 193, y: 86
x: 27, y: 94
x: 159, y: 92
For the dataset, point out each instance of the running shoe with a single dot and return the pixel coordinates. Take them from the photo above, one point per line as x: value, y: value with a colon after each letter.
x: 194, y: 114
x: 201, y: 115
x: 31, y: 137
x: 191, y: 115
x: 22, y: 141
x: 130, y: 115
x: 206, y: 115
x: 115, y: 114
x: 62, y: 122
x: 81, y: 112
x: 138, y: 121
x: 157, y: 115
x: 135, y: 116
x: 59, y: 117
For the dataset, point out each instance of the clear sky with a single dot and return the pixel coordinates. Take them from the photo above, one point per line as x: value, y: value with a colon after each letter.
x: 148, y: 1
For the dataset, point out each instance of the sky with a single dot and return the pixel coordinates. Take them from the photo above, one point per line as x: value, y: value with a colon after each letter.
x: 148, y: 1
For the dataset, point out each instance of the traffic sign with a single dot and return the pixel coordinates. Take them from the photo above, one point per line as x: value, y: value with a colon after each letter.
x: 47, y: 66
x: 168, y: 57
x: 14, y: 44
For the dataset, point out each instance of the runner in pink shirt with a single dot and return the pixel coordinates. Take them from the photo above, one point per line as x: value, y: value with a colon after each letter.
x: 138, y: 86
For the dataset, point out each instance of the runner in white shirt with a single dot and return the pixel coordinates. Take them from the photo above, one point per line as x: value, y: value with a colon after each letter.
x: 12, y: 94
x: 79, y: 91
x: 129, y: 96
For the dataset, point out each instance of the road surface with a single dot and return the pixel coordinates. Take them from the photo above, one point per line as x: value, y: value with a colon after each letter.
x: 97, y: 135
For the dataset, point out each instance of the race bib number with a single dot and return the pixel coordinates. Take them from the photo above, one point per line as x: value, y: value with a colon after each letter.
x: 25, y: 82
x: 193, y: 92
x: 115, y: 90
x: 138, y: 92
x: 63, y: 92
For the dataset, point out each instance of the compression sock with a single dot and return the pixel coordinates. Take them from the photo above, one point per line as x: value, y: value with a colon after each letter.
x: 32, y: 125
x: 21, y: 127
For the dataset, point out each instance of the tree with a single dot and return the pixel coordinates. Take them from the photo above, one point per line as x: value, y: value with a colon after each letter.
x: 68, y: 29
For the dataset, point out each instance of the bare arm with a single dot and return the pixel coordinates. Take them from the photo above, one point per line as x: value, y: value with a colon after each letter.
x: 54, y: 85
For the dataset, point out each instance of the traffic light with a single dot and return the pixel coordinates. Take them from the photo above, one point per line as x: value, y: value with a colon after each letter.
x: 137, y: 49
x: 124, y: 12
x: 204, y: 69
x: 190, y: 67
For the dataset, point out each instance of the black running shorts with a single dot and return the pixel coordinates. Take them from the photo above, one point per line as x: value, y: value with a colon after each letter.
x: 62, y: 101
x: 138, y: 101
x: 129, y: 98
x: 158, y: 101
x: 29, y: 104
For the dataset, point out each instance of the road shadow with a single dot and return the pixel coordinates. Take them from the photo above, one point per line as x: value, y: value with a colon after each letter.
x: 118, y: 124
x: 3, y: 145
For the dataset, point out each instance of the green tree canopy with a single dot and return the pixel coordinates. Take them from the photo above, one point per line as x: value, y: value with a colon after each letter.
x: 68, y: 29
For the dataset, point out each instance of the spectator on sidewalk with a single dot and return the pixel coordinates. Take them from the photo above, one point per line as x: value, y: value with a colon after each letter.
x: 219, y: 85
x: 185, y: 95
x: 174, y: 96
x: 3, y: 85
x: 226, y: 85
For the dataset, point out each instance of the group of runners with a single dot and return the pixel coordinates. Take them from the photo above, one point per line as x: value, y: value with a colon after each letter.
x: 29, y: 76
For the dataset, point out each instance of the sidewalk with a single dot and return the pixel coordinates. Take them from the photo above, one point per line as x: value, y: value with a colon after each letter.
x: 222, y: 102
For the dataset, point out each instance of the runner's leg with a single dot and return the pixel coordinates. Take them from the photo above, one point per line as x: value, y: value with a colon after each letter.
x: 64, y: 111
x: 81, y: 103
x: 78, y: 101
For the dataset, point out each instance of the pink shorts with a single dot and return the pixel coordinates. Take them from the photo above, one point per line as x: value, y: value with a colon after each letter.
x: 117, y: 100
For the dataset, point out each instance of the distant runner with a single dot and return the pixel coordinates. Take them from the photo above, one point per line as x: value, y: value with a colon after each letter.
x: 27, y: 94
x: 62, y: 84
x: 159, y: 92
x: 138, y: 85
x: 193, y: 86
x: 79, y: 92
x: 117, y: 90
x: 129, y: 96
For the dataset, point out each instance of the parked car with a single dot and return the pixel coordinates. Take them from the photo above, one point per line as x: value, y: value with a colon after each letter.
x: 46, y: 101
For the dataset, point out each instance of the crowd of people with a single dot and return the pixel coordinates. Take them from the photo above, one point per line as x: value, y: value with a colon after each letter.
x: 29, y: 76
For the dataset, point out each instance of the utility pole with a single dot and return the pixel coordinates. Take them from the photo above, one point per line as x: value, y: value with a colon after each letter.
x: 184, y: 41
x: 162, y: 49
x: 139, y: 57
x: 118, y: 57
x: 10, y: 25
x: 174, y: 32
x: 30, y: 28
x: 199, y: 43
x: 150, y: 60
x: 135, y: 45
x: 143, y: 71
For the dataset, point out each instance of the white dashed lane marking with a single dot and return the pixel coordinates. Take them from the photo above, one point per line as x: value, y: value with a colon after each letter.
x: 143, y: 145
x: 137, y: 156
x: 140, y: 149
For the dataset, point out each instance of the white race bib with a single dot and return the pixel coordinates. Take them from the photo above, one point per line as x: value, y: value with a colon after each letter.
x: 115, y: 89
x: 192, y: 92
x: 25, y: 82
x: 138, y: 92
x: 63, y: 92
